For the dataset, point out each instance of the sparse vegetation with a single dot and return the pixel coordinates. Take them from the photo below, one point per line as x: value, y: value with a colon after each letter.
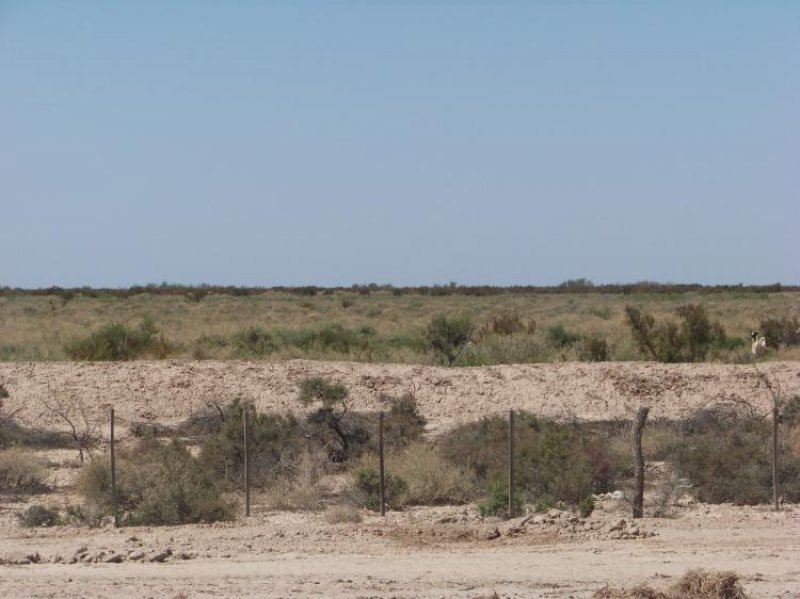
x: 39, y: 515
x: 156, y: 484
x: 21, y: 471
x: 385, y: 324
x: 116, y: 341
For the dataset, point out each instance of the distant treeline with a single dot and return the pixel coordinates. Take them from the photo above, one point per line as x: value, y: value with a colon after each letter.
x: 198, y: 292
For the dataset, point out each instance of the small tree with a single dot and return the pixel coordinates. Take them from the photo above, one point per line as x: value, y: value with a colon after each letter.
x: 331, y: 414
x: 449, y: 336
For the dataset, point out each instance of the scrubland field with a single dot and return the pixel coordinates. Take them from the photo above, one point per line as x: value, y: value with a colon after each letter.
x: 183, y: 373
x: 383, y: 325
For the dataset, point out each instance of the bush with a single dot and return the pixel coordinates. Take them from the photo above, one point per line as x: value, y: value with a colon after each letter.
x: 429, y: 478
x: 254, y: 342
x: 725, y: 455
x: 690, y: 340
x: 116, y: 341
x: 275, y: 443
x: 551, y: 459
x: 156, y: 484
x: 342, y: 436
x: 781, y: 331
x: 505, y: 323
x: 366, y: 485
x: 561, y: 337
x: 21, y: 471
x: 496, y: 502
x: 402, y: 423
x: 594, y: 348
x: 39, y: 515
x: 449, y: 336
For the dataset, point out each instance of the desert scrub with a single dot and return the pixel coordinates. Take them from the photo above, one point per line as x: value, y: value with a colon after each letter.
x: 429, y: 478
x: 366, y: 484
x: 275, y: 444
x: 21, y: 471
x: 448, y: 336
x: 116, y: 341
x: 725, y: 456
x: 564, y: 462
x: 39, y: 515
x: 156, y: 484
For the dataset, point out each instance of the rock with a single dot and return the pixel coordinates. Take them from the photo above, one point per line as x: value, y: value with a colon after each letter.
x: 159, y: 556
x: 447, y: 520
x: 136, y: 555
x: 618, y: 495
x: 81, y: 550
x: 183, y: 555
x: 553, y: 513
x: 56, y: 559
x: 633, y: 531
x: 618, y: 525
x: 114, y: 558
x: 490, y: 533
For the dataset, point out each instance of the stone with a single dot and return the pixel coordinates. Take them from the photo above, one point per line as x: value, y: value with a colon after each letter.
x: 114, y: 558
x: 136, y: 555
x: 490, y: 533
x: 159, y: 556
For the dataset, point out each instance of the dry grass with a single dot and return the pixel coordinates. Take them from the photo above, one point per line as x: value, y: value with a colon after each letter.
x: 343, y: 513
x: 38, y: 327
x: 302, y: 490
x: 695, y: 584
x: 21, y: 471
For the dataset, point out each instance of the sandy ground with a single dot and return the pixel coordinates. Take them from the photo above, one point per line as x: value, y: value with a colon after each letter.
x: 173, y: 390
x: 447, y: 552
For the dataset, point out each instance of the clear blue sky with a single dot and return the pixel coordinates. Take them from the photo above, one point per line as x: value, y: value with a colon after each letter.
x: 405, y: 142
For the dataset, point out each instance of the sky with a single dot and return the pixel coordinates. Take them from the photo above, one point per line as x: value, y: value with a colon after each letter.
x: 398, y: 142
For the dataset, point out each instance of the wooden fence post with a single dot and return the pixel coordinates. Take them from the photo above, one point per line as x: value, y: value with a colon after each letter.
x: 113, y: 474
x: 246, y: 466
x: 638, y: 462
x: 510, y: 463
x: 383, y: 480
x: 775, y: 418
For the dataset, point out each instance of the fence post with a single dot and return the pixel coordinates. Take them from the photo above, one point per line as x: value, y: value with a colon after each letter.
x: 638, y: 462
x: 113, y: 474
x: 775, y: 416
x: 510, y: 463
x: 246, y: 466
x: 383, y: 480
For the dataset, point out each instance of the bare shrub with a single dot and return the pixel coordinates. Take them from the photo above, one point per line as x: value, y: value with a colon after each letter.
x: 39, y: 515
x: 695, y: 584
x: 70, y: 410
x: 702, y: 584
x: 21, y: 471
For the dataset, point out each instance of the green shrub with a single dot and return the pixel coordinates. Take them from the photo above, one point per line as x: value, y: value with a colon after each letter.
x: 449, y: 336
x: 496, y: 502
x: 156, y: 484
x: 3, y: 392
x: 366, y: 489
x: 116, y: 341
x: 39, y: 515
x: 725, y: 456
x: 275, y: 443
x: 551, y: 459
x: 689, y: 340
x: 254, y: 342
x: 343, y: 435
x: 561, y: 337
